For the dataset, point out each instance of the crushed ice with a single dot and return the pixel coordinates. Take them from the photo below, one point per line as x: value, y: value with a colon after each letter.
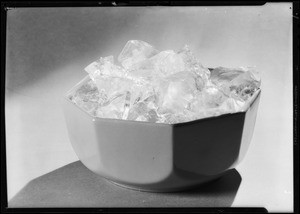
x: 162, y: 87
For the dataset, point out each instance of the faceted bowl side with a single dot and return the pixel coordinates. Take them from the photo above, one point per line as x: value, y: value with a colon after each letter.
x: 160, y: 157
x: 123, y: 151
x: 208, y: 146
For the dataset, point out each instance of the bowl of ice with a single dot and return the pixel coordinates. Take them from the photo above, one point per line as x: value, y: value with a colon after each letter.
x: 159, y: 120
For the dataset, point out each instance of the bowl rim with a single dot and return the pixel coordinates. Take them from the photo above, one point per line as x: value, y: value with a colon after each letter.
x: 66, y: 96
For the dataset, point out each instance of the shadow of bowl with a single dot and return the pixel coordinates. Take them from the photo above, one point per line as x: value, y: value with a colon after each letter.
x: 75, y: 186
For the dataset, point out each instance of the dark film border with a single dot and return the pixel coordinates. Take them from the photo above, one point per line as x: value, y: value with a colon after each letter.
x: 8, y: 5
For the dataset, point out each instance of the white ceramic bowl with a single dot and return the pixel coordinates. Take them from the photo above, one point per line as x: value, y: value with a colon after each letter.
x: 160, y: 157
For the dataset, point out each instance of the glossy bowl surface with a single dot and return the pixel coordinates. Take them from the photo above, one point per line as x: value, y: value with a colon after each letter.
x: 160, y: 157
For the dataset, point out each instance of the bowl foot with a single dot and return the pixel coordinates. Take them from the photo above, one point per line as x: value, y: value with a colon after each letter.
x: 178, y: 189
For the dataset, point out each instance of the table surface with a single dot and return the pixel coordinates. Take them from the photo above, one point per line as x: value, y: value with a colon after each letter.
x: 47, y: 50
x: 76, y: 186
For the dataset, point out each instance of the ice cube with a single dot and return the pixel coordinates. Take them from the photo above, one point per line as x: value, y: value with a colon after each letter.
x: 164, y: 63
x: 232, y: 105
x: 146, y: 108
x: 192, y: 64
x: 134, y: 52
x: 126, y: 105
x: 213, y: 97
x: 176, y: 92
x: 210, y: 98
x: 240, y: 82
x: 114, y: 109
x: 153, y: 67
x: 89, y: 107
x: 179, y: 117
x: 88, y: 92
x: 141, y: 118
x: 167, y: 63
x: 87, y: 97
x: 152, y: 116
x: 105, y: 67
x: 224, y: 75
x: 140, y: 92
x: 92, y: 68
x: 113, y: 85
x: 138, y: 109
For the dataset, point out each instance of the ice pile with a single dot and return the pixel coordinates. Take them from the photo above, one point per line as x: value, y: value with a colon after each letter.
x: 162, y: 87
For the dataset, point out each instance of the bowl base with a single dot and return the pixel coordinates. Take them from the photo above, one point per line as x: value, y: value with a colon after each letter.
x: 178, y: 189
